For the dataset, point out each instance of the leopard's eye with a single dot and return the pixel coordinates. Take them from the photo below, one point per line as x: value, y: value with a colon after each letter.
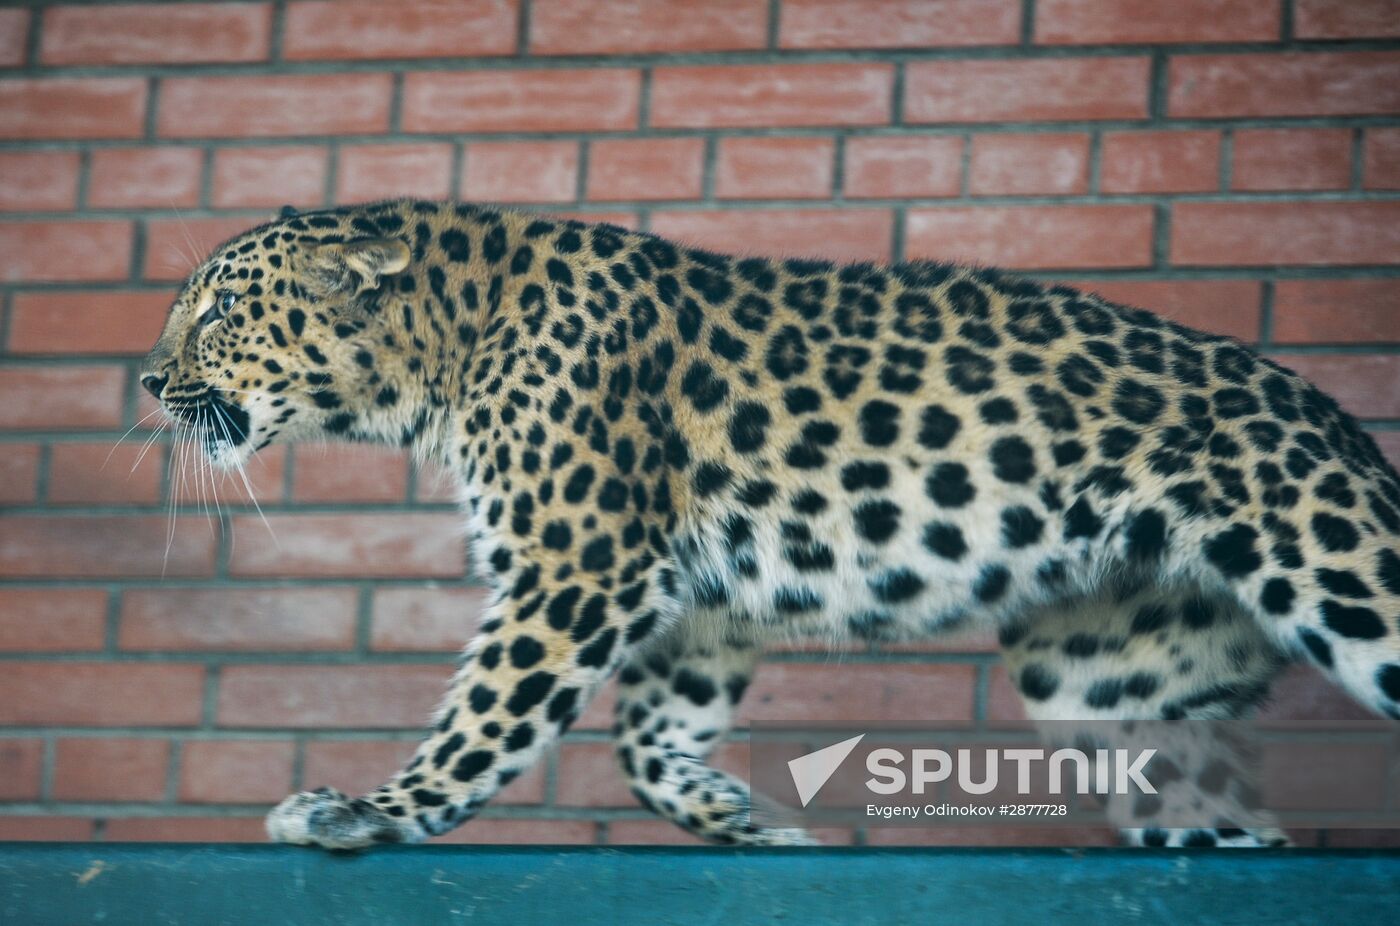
x: 223, y: 302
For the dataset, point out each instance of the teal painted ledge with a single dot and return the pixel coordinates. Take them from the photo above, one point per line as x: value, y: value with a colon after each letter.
x: 72, y: 884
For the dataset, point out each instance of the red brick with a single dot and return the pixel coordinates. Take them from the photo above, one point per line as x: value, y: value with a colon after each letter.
x: 161, y: 177
x: 358, y: 546
x: 774, y: 168
x: 19, y: 473
x: 838, y: 234
x: 1005, y: 708
x: 1367, y: 385
x: 990, y: 835
x: 61, y: 398
x: 283, y: 104
x: 73, y: 107
x: 269, y: 177
x: 1160, y: 162
x: 1292, y: 159
x: 595, y: 99
x: 1301, y: 697
x: 314, y: 696
x: 358, y: 766
x: 45, y: 829
x: 771, y: 95
x: 52, y: 620
x: 14, y: 36
x: 893, y: 168
x: 185, y: 829
x: 497, y: 832
x: 175, y: 246
x: 118, y: 769
x: 1040, y: 163
x: 1043, y: 89
x: 589, y: 774
x: 521, y: 171
x: 66, y: 251
x: 1050, y: 237
x: 156, y: 33
x: 425, y: 619
x: 1305, y: 233
x: 369, y: 172
x: 1228, y: 307
x: 1122, y: 22
x: 236, y: 771
x: 21, y: 763
x: 101, y: 694
x: 1292, y: 84
x: 406, y: 29
x: 898, y: 23
x: 860, y: 693
x: 38, y: 180
x: 87, y: 322
x: 598, y: 713
x: 1363, y: 839
x: 1348, y: 776
x: 265, y: 472
x: 434, y: 485
x: 88, y: 545
x: 1389, y: 444
x: 238, y: 619
x: 349, y: 473
x: 653, y: 832
x: 103, y: 474
x: 645, y: 168
x: 1306, y: 838
x: 1382, y: 159
x: 353, y: 766
x: 145, y: 405
x: 1354, y: 19
x: 563, y: 27
x: 1336, y: 311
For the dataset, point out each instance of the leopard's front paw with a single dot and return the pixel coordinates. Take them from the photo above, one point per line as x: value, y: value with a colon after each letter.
x: 329, y: 819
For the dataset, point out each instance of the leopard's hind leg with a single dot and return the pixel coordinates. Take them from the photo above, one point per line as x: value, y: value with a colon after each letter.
x: 1328, y: 590
x: 1154, y: 653
x: 675, y: 704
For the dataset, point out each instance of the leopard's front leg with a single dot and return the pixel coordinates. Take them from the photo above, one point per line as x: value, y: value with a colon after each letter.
x: 559, y: 626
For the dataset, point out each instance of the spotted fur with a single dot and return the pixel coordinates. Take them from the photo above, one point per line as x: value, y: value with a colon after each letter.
x: 669, y: 457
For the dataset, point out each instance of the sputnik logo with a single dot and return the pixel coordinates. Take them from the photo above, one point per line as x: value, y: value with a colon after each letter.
x: 812, y: 771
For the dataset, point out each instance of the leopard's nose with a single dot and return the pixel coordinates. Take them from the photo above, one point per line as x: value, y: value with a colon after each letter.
x: 155, y: 383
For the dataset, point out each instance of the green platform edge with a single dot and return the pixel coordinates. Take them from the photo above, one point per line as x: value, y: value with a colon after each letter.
x: 69, y: 883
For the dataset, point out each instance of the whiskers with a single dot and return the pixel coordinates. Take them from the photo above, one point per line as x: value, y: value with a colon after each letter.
x: 196, y: 432
x: 220, y: 419
x: 155, y: 433
x: 175, y: 481
x: 178, y: 262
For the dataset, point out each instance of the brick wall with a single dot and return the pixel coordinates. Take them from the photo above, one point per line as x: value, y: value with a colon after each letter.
x: 1232, y: 163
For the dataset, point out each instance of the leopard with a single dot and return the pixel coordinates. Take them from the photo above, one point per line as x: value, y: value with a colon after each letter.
x: 670, y: 458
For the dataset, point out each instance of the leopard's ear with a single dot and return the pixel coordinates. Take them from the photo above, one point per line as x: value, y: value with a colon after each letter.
x: 356, y: 266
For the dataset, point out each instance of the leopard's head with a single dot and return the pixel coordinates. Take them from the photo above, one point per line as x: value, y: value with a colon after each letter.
x: 275, y: 336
